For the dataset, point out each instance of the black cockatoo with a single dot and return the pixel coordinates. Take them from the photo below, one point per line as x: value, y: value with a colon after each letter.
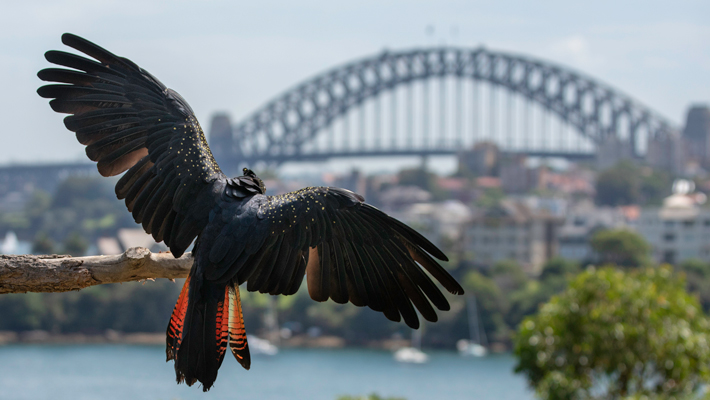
x: 346, y: 249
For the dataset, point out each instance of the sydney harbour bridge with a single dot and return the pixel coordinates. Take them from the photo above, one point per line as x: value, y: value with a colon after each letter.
x: 424, y: 102
x: 441, y: 101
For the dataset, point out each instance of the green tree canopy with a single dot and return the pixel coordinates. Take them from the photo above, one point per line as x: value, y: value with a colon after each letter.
x: 490, y: 198
x: 418, y: 177
x: 621, y: 247
x: 617, y: 335
x: 79, y: 212
x: 696, y: 268
x: 492, y: 304
x: 508, y: 275
x: 627, y: 183
x: 618, y: 185
x: 75, y: 245
x: 558, y: 268
x: 655, y: 185
x: 424, y: 179
x: 554, y: 277
x: 42, y: 244
x: 697, y: 274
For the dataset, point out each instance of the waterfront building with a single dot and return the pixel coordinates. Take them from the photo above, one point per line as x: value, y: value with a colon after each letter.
x: 513, y: 231
x: 442, y: 223
x: 582, y: 221
x: 679, y: 230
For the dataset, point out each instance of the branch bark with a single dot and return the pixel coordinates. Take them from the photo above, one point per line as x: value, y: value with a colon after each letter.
x: 57, y: 273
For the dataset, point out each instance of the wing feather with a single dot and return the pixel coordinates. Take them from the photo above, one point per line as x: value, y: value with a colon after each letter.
x: 338, y: 284
x: 265, y: 271
x: 348, y: 250
x: 254, y: 263
x: 130, y: 121
x: 299, y: 271
x: 358, y: 294
x: 280, y: 270
x: 374, y: 297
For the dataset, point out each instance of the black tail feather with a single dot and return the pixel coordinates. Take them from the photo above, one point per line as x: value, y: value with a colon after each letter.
x: 199, y: 356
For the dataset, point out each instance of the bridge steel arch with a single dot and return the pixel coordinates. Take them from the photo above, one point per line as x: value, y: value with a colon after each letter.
x: 278, y: 131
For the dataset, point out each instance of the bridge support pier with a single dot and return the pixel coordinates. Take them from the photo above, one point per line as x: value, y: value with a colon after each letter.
x: 424, y: 163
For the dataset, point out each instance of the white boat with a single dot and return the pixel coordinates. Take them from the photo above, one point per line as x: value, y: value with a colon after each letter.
x: 466, y: 348
x: 412, y: 354
x: 258, y: 345
x: 475, y: 346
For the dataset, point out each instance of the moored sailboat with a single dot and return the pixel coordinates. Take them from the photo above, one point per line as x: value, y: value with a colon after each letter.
x: 475, y: 346
x: 412, y: 354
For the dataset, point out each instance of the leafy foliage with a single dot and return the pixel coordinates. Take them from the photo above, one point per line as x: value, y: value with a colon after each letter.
x: 556, y: 270
x: 626, y: 183
x: 490, y: 198
x: 75, y: 245
x: 614, y: 335
x: 621, y: 247
x: 505, y: 294
x: 79, y: 212
x: 509, y: 275
x: 696, y: 268
x: 618, y: 185
x: 492, y: 304
x: 553, y: 279
x: 423, y: 179
x: 418, y: 177
x: 697, y: 274
x: 43, y: 244
x: 128, y: 307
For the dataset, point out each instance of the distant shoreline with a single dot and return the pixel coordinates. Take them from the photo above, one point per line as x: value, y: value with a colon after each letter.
x: 44, y: 337
x: 158, y: 338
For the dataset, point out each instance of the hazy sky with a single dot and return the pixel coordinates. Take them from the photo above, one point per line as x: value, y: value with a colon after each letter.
x: 234, y: 56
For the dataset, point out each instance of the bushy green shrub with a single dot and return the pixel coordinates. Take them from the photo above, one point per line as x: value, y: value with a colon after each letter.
x: 617, y: 335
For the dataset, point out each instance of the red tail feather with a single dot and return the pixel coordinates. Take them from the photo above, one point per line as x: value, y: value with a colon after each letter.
x: 237, y: 333
x: 174, y: 334
x: 222, y: 326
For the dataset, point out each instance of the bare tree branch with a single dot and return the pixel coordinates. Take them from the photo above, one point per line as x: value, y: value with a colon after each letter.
x: 26, y: 273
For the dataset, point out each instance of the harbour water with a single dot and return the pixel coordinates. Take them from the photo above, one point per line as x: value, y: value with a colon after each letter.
x: 78, y: 372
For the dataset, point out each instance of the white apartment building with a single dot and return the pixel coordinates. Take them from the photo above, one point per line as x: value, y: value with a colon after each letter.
x: 438, y: 222
x: 678, y: 230
x: 581, y: 222
x: 513, y: 231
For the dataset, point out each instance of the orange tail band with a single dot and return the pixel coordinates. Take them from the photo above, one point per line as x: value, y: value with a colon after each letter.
x: 222, y: 326
x: 237, y: 333
x: 174, y: 334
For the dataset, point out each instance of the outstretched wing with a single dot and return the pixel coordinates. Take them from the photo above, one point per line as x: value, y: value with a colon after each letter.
x: 129, y: 120
x: 349, y: 250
